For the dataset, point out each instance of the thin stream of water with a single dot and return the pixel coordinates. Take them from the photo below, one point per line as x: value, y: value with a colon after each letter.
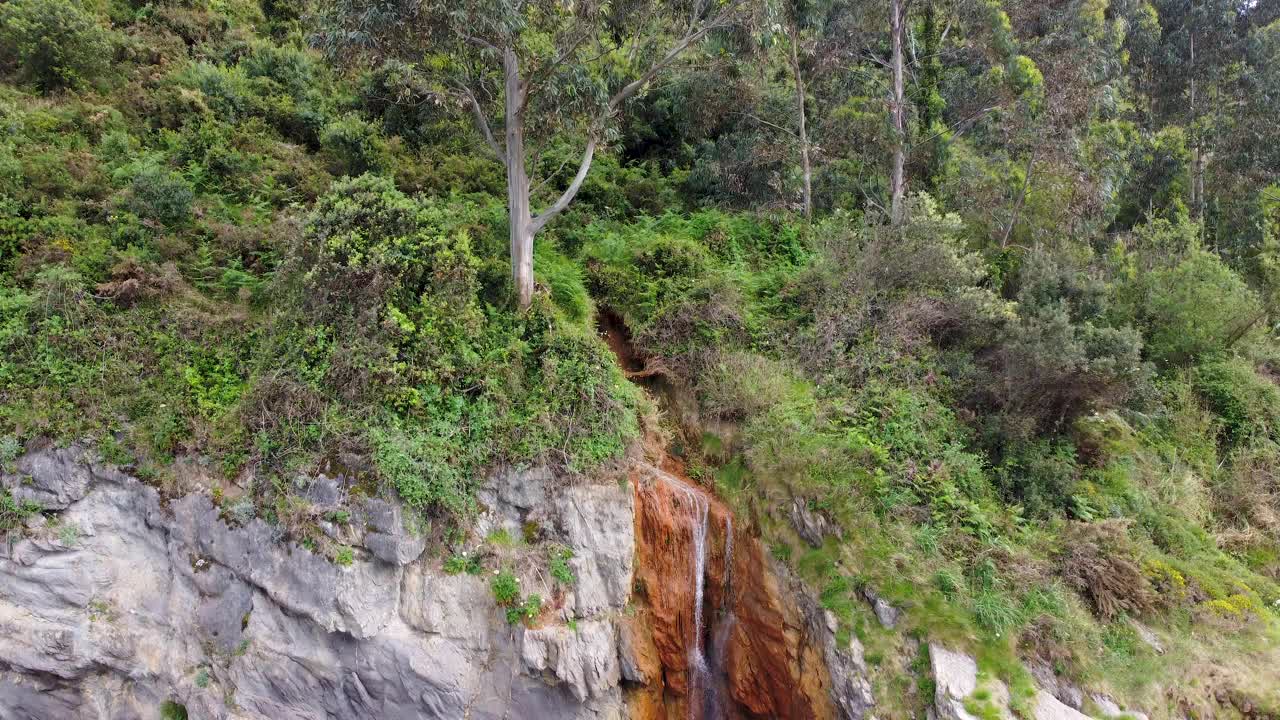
x: 703, y: 696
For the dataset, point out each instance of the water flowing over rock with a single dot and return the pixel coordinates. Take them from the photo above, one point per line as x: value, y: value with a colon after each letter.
x: 677, y: 611
x: 722, y: 632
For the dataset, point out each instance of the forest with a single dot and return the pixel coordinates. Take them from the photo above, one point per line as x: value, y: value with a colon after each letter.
x: 989, y: 287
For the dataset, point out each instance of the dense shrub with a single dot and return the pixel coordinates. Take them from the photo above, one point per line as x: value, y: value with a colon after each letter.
x: 1249, y: 492
x: 873, y: 295
x: 387, y: 316
x: 278, y: 85
x: 1040, y: 474
x: 55, y: 43
x: 406, y: 103
x: 1044, y: 371
x: 1157, y: 184
x: 1057, y: 357
x: 636, y: 270
x: 160, y: 194
x: 1193, y: 309
x: 292, y: 71
x: 353, y: 146
x: 1247, y: 403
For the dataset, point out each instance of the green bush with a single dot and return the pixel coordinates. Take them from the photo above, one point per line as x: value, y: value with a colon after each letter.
x: 1247, y: 403
x: 429, y: 466
x: 14, y: 513
x: 459, y: 386
x: 1041, y: 474
x: 505, y: 588
x: 558, y: 562
x: 1194, y: 309
x: 463, y: 563
x: 403, y: 98
x: 354, y: 146
x: 294, y: 71
x: 158, y: 193
x: 55, y: 43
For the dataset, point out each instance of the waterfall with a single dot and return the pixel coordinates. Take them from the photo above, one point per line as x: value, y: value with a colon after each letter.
x: 704, y: 666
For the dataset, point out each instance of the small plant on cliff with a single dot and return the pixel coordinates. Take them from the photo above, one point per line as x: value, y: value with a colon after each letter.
x: 68, y: 534
x: 527, y: 611
x: 506, y: 592
x: 558, y: 562
x: 344, y: 556
x: 506, y: 588
x: 13, y: 513
x: 10, y: 448
x: 462, y: 563
x: 501, y: 538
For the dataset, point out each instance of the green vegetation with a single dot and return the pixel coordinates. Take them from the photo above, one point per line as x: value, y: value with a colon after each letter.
x: 1040, y: 401
x: 517, y: 607
x: 344, y: 556
x: 457, y: 564
x: 14, y: 513
x: 558, y: 563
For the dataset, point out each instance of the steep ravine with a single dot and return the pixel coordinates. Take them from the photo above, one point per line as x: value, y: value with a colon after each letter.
x: 723, y: 632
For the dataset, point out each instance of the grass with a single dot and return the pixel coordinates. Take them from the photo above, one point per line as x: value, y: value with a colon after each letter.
x: 463, y: 563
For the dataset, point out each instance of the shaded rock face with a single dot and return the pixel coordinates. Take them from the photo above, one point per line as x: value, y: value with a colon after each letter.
x: 153, y: 602
x: 765, y: 650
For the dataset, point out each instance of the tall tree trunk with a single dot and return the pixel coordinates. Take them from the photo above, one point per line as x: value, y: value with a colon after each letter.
x: 804, y: 132
x: 898, y: 107
x: 520, y: 220
x: 1021, y: 200
x: 1196, y: 199
x: 522, y: 223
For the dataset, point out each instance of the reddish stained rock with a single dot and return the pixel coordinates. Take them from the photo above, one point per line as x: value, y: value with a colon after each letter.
x: 770, y: 667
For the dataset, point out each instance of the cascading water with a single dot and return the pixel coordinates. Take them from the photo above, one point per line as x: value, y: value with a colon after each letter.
x: 705, y: 662
x: 715, y: 645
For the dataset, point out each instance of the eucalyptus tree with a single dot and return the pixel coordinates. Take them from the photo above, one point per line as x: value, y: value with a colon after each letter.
x: 898, y: 111
x: 801, y: 25
x: 525, y: 71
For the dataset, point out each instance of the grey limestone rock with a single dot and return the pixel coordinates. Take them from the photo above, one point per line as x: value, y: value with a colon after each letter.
x: 52, y: 478
x: 585, y: 658
x: 813, y: 527
x: 597, y: 524
x: 887, y: 614
x: 158, y: 602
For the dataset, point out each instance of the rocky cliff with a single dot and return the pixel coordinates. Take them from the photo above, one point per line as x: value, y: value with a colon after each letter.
x: 116, y: 603
x: 768, y: 649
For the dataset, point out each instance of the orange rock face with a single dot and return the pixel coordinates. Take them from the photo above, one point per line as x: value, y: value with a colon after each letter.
x: 759, y: 660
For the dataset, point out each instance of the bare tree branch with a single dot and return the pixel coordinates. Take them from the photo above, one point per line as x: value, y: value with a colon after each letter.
x: 690, y: 38
x: 481, y: 42
x: 482, y: 124
x: 534, y: 190
x: 695, y: 34
x: 569, y: 193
